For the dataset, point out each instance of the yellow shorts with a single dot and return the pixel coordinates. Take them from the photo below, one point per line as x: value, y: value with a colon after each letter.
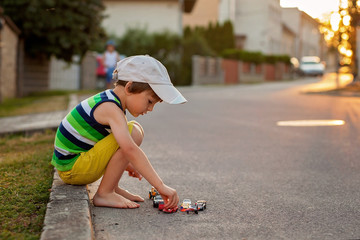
x: 91, y: 165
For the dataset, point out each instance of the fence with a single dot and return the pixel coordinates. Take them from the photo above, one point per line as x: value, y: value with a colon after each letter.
x: 73, y: 76
x: 208, y: 70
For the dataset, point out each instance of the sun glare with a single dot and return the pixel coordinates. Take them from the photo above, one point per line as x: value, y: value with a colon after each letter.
x: 310, y: 123
x: 314, y: 8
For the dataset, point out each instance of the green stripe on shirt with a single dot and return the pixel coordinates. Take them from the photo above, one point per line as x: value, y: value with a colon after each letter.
x: 90, y: 133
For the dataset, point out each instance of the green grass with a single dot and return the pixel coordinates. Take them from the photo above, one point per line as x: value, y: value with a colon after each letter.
x: 46, y: 101
x: 34, y: 104
x: 25, y: 179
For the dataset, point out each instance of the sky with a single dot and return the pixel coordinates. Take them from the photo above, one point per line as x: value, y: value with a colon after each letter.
x: 315, y: 8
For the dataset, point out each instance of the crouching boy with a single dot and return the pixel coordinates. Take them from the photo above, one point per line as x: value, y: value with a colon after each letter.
x: 95, y: 139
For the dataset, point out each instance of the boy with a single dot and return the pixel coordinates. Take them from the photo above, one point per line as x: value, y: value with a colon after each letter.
x: 95, y: 139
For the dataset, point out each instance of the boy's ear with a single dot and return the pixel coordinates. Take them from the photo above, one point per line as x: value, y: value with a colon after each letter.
x: 127, y: 87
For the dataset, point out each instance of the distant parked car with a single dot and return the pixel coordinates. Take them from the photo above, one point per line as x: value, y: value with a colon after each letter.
x: 311, y: 66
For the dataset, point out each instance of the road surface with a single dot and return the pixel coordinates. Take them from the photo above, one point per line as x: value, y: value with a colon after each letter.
x: 261, y: 180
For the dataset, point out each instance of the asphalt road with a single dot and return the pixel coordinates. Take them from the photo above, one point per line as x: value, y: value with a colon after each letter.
x: 261, y: 180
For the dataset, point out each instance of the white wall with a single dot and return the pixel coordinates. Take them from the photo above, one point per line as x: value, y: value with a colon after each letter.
x: 258, y: 20
x: 310, y: 37
x: 63, y: 75
x: 156, y: 16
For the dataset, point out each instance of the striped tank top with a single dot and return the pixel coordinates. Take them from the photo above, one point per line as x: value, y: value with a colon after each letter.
x: 79, y: 131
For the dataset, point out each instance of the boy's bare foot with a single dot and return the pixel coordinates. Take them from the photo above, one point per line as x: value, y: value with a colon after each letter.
x: 128, y: 195
x: 113, y: 200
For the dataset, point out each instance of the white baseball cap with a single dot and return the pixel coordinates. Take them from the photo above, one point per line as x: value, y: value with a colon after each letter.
x: 146, y: 69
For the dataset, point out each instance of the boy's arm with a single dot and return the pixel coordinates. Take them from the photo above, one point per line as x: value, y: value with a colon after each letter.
x: 109, y: 114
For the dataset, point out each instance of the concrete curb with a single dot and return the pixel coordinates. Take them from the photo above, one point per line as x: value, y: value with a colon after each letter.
x: 68, y: 213
x: 336, y: 93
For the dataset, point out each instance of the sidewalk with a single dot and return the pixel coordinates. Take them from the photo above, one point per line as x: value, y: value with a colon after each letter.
x: 35, y: 122
x: 335, y: 85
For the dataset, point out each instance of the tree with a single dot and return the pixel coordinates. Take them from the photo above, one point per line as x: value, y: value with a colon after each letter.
x: 62, y: 28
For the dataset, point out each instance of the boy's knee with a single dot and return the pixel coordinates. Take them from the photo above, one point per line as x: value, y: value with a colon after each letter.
x: 137, y: 133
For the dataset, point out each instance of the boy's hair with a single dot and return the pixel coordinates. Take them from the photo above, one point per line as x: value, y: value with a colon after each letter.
x: 136, y: 87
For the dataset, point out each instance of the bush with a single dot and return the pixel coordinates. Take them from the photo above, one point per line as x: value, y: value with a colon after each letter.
x: 271, y: 59
x: 164, y: 46
x: 245, y: 56
x: 193, y: 44
x: 218, y: 37
x: 254, y: 57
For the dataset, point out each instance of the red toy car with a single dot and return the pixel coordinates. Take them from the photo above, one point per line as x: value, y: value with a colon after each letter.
x: 167, y: 210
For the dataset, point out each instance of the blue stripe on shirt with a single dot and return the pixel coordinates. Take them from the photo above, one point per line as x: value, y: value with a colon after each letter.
x: 73, y: 139
x: 95, y: 125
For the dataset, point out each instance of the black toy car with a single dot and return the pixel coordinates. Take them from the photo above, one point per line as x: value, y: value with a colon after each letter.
x: 157, y: 200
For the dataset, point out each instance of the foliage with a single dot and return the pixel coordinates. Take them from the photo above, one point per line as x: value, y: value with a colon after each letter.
x: 284, y: 59
x: 246, y: 56
x: 271, y: 59
x: 193, y: 44
x: 254, y: 57
x: 164, y: 46
x: 57, y: 27
x: 25, y: 180
x: 218, y: 37
x: 176, y: 52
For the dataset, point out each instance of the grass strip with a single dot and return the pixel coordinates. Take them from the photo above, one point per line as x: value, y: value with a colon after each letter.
x: 39, y: 102
x: 25, y: 179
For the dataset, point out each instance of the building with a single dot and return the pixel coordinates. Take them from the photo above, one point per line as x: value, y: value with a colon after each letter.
x: 154, y: 16
x: 203, y: 13
x: 257, y: 24
x: 309, y: 41
x: 263, y: 25
x: 288, y: 42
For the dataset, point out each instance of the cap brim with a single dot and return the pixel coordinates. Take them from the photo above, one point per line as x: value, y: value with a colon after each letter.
x: 168, y: 93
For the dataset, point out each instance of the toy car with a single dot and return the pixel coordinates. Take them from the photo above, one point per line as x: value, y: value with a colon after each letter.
x: 185, y: 205
x: 167, y: 210
x: 201, y: 205
x: 157, y: 200
x: 153, y: 192
x: 191, y: 208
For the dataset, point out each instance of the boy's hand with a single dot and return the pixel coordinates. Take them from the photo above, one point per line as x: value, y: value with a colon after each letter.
x: 133, y: 172
x: 169, y: 195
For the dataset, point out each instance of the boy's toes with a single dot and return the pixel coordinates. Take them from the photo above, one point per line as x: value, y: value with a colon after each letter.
x: 132, y: 204
x: 137, y: 198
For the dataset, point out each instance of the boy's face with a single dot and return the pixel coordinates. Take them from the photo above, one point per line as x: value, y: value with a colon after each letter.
x: 110, y: 48
x: 141, y: 103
